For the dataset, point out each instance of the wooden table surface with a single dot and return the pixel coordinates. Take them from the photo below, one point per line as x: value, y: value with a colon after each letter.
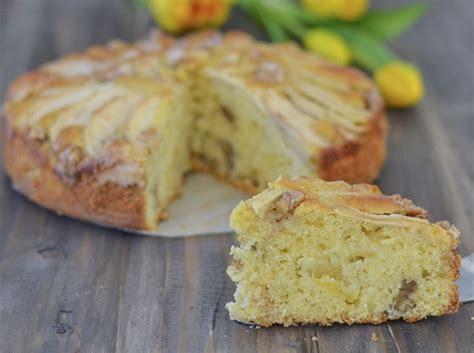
x: 68, y: 286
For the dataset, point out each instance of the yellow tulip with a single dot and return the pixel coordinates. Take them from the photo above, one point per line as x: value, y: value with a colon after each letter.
x: 400, y: 83
x: 183, y: 15
x: 221, y: 12
x: 348, y: 10
x: 329, y: 45
x: 321, y: 8
x: 351, y: 10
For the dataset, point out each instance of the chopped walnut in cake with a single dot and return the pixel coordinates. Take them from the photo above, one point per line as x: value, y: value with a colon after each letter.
x: 280, y: 201
x: 403, y: 299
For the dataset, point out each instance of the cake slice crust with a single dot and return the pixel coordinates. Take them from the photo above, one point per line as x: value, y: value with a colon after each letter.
x: 315, y: 252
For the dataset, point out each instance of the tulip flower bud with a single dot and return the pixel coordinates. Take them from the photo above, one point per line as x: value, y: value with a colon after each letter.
x: 321, y: 8
x: 329, y: 45
x: 351, y: 10
x: 182, y: 15
x: 400, y: 83
x: 348, y: 10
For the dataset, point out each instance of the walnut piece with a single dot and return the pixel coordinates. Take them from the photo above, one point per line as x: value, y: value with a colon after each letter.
x: 403, y: 301
x: 288, y: 201
x: 283, y: 202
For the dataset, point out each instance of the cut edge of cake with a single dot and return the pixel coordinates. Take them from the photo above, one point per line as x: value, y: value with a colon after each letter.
x: 316, y: 252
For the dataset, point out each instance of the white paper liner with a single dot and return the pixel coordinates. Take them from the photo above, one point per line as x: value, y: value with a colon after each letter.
x: 204, y: 208
x: 466, y: 279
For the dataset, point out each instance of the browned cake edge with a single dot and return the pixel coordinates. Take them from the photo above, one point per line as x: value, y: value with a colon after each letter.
x: 357, y: 161
x: 28, y: 164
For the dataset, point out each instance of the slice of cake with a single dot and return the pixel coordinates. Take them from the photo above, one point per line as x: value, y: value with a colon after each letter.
x: 328, y: 252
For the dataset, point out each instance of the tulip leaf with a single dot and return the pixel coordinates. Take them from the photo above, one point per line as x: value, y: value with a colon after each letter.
x: 274, y: 30
x: 388, y: 24
x: 368, y: 51
x: 289, y: 9
x: 251, y: 10
x: 257, y: 11
x: 281, y: 12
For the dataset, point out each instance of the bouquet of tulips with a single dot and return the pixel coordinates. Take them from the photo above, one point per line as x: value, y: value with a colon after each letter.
x: 343, y: 31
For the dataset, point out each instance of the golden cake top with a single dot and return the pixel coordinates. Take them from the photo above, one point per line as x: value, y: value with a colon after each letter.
x: 106, y: 101
x: 318, y: 102
x: 99, y: 109
x: 116, y: 58
x: 315, y: 103
x: 360, y: 201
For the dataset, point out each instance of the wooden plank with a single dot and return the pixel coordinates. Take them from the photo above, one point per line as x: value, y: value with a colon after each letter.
x: 66, y: 286
x: 438, y: 132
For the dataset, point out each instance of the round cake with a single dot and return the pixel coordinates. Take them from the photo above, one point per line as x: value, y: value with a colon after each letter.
x: 107, y: 135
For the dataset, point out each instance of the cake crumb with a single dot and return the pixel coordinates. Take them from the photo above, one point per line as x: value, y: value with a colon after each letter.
x: 374, y: 337
x: 472, y: 317
x: 314, y: 338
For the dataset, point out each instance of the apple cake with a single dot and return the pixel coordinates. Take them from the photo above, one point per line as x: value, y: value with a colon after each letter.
x: 317, y: 252
x: 107, y: 134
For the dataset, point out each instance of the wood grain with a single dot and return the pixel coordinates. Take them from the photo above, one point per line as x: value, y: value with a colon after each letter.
x: 67, y: 286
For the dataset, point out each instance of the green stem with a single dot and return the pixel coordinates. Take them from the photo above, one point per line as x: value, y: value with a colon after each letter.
x: 249, y: 7
x: 276, y: 32
x: 369, y: 52
x: 291, y: 10
x: 280, y: 12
